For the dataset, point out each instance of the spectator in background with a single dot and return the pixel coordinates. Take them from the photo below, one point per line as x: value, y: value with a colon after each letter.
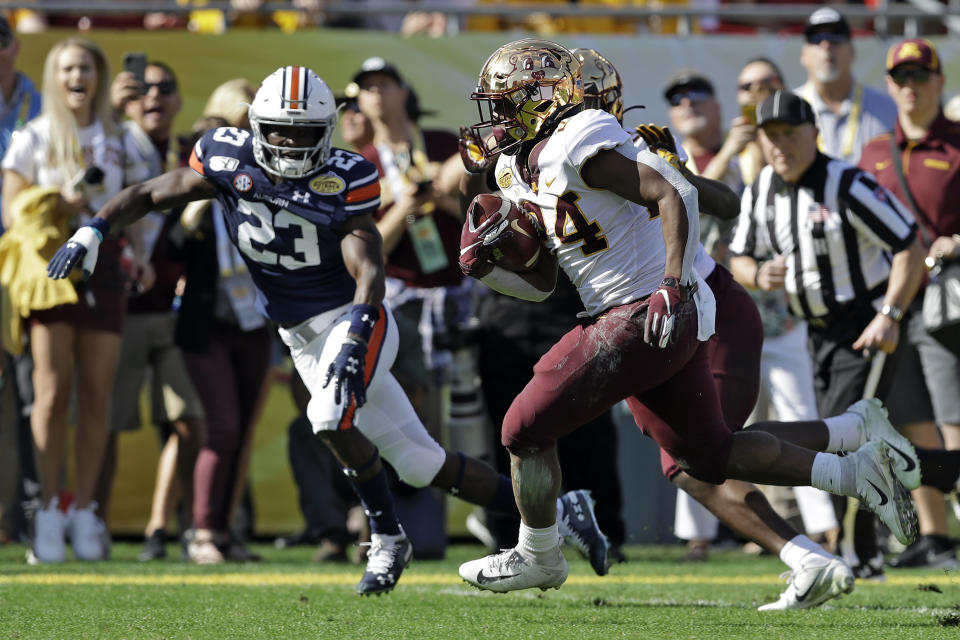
x: 354, y: 127
x: 226, y: 346
x: 19, y: 103
x: 928, y: 388
x: 19, y: 98
x: 695, y: 117
x: 77, y: 341
x: 758, y: 78
x: 848, y: 113
x: 148, y: 349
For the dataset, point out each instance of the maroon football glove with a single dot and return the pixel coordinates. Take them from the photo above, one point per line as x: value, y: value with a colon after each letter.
x: 478, y: 240
x: 661, y: 312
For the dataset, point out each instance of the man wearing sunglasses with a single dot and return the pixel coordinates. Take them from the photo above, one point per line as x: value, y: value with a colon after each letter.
x: 695, y: 118
x: 148, y: 340
x: 929, y: 149
x: 848, y: 113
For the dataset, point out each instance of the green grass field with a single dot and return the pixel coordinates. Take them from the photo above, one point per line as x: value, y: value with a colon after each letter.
x: 654, y: 595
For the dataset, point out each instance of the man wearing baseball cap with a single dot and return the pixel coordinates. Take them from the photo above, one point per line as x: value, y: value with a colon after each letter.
x: 845, y: 252
x: 927, y: 146
x: 848, y: 113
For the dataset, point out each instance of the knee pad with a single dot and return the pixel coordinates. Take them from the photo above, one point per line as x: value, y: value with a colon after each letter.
x: 416, y: 461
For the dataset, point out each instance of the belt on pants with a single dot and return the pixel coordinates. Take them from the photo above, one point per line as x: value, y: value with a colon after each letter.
x: 307, y: 331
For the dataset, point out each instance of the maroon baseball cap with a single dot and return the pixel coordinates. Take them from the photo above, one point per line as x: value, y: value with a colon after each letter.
x: 919, y: 51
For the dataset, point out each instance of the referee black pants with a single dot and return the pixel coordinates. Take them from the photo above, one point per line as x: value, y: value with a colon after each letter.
x: 840, y: 378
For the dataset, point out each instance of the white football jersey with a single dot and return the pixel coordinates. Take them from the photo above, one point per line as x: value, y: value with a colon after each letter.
x: 703, y: 262
x: 611, y: 249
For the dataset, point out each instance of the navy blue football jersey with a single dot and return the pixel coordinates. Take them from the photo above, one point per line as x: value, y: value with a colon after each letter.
x: 288, y: 233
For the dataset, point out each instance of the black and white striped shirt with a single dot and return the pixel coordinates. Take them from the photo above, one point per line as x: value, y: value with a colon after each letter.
x: 836, y: 227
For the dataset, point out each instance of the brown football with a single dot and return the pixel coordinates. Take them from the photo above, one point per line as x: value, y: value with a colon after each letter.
x: 520, y: 251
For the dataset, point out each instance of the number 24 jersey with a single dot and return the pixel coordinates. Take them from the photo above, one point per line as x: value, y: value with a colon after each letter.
x: 288, y: 233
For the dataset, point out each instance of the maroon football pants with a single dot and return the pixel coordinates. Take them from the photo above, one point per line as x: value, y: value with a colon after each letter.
x: 596, y: 365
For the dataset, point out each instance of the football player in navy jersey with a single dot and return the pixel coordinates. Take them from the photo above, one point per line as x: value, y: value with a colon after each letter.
x: 300, y: 213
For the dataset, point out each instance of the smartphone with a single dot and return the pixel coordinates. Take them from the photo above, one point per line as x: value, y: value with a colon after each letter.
x: 749, y: 112
x: 136, y: 63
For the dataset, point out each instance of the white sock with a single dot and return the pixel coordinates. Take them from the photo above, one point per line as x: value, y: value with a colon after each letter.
x: 834, y: 474
x: 846, y: 432
x: 798, y: 549
x: 536, y: 541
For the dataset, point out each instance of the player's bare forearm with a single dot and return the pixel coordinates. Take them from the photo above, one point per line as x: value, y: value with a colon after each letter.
x: 715, y: 197
x: 172, y: 189
x: 673, y: 219
x: 363, y: 256
x: 646, y: 185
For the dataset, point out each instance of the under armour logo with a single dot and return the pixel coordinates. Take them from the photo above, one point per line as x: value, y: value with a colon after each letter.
x: 352, y: 365
x: 299, y: 196
x: 367, y: 320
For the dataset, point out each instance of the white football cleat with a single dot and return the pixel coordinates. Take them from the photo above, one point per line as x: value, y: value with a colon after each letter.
x: 877, y: 428
x: 879, y: 488
x: 511, y: 571
x: 822, y: 579
x: 49, y: 535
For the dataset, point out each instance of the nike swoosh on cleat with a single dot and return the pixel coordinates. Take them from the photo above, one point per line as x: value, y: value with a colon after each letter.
x: 482, y: 579
x: 883, y: 496
x: 803, y: 596
x: 911, y: 465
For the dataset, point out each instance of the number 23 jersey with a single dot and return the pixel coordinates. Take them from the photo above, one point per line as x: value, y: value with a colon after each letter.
x: 288, y: 233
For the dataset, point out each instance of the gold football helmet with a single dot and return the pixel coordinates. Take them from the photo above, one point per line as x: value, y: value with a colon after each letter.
x: 602, y: 86
x: 527, y: 86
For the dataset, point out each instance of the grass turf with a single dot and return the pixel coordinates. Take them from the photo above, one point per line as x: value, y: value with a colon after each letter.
x: 654, y: 595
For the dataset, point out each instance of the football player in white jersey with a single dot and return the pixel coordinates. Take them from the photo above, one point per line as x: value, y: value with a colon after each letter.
x: 623, y: 224
x: 735, y: 349
x: 300, y: 213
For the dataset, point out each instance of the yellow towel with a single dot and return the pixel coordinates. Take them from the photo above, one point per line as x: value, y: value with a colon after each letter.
x: 39, y: 228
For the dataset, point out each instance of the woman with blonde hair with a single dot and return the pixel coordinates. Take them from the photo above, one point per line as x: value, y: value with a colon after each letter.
x: 74, y: 145
x: 230, y: 101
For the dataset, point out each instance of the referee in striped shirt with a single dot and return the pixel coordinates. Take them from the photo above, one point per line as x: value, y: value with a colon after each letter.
x: 843, y: 248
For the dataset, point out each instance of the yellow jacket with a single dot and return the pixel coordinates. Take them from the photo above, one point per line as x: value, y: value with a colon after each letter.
x: 38, y: 230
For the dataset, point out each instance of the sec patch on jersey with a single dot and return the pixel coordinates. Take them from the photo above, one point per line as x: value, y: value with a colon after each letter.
x: 512, y: 230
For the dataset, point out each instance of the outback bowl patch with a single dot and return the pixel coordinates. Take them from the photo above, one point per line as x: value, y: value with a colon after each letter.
x: 327, y: 184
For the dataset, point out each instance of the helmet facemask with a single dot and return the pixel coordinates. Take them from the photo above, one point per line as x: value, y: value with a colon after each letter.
x: 289, y: 161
